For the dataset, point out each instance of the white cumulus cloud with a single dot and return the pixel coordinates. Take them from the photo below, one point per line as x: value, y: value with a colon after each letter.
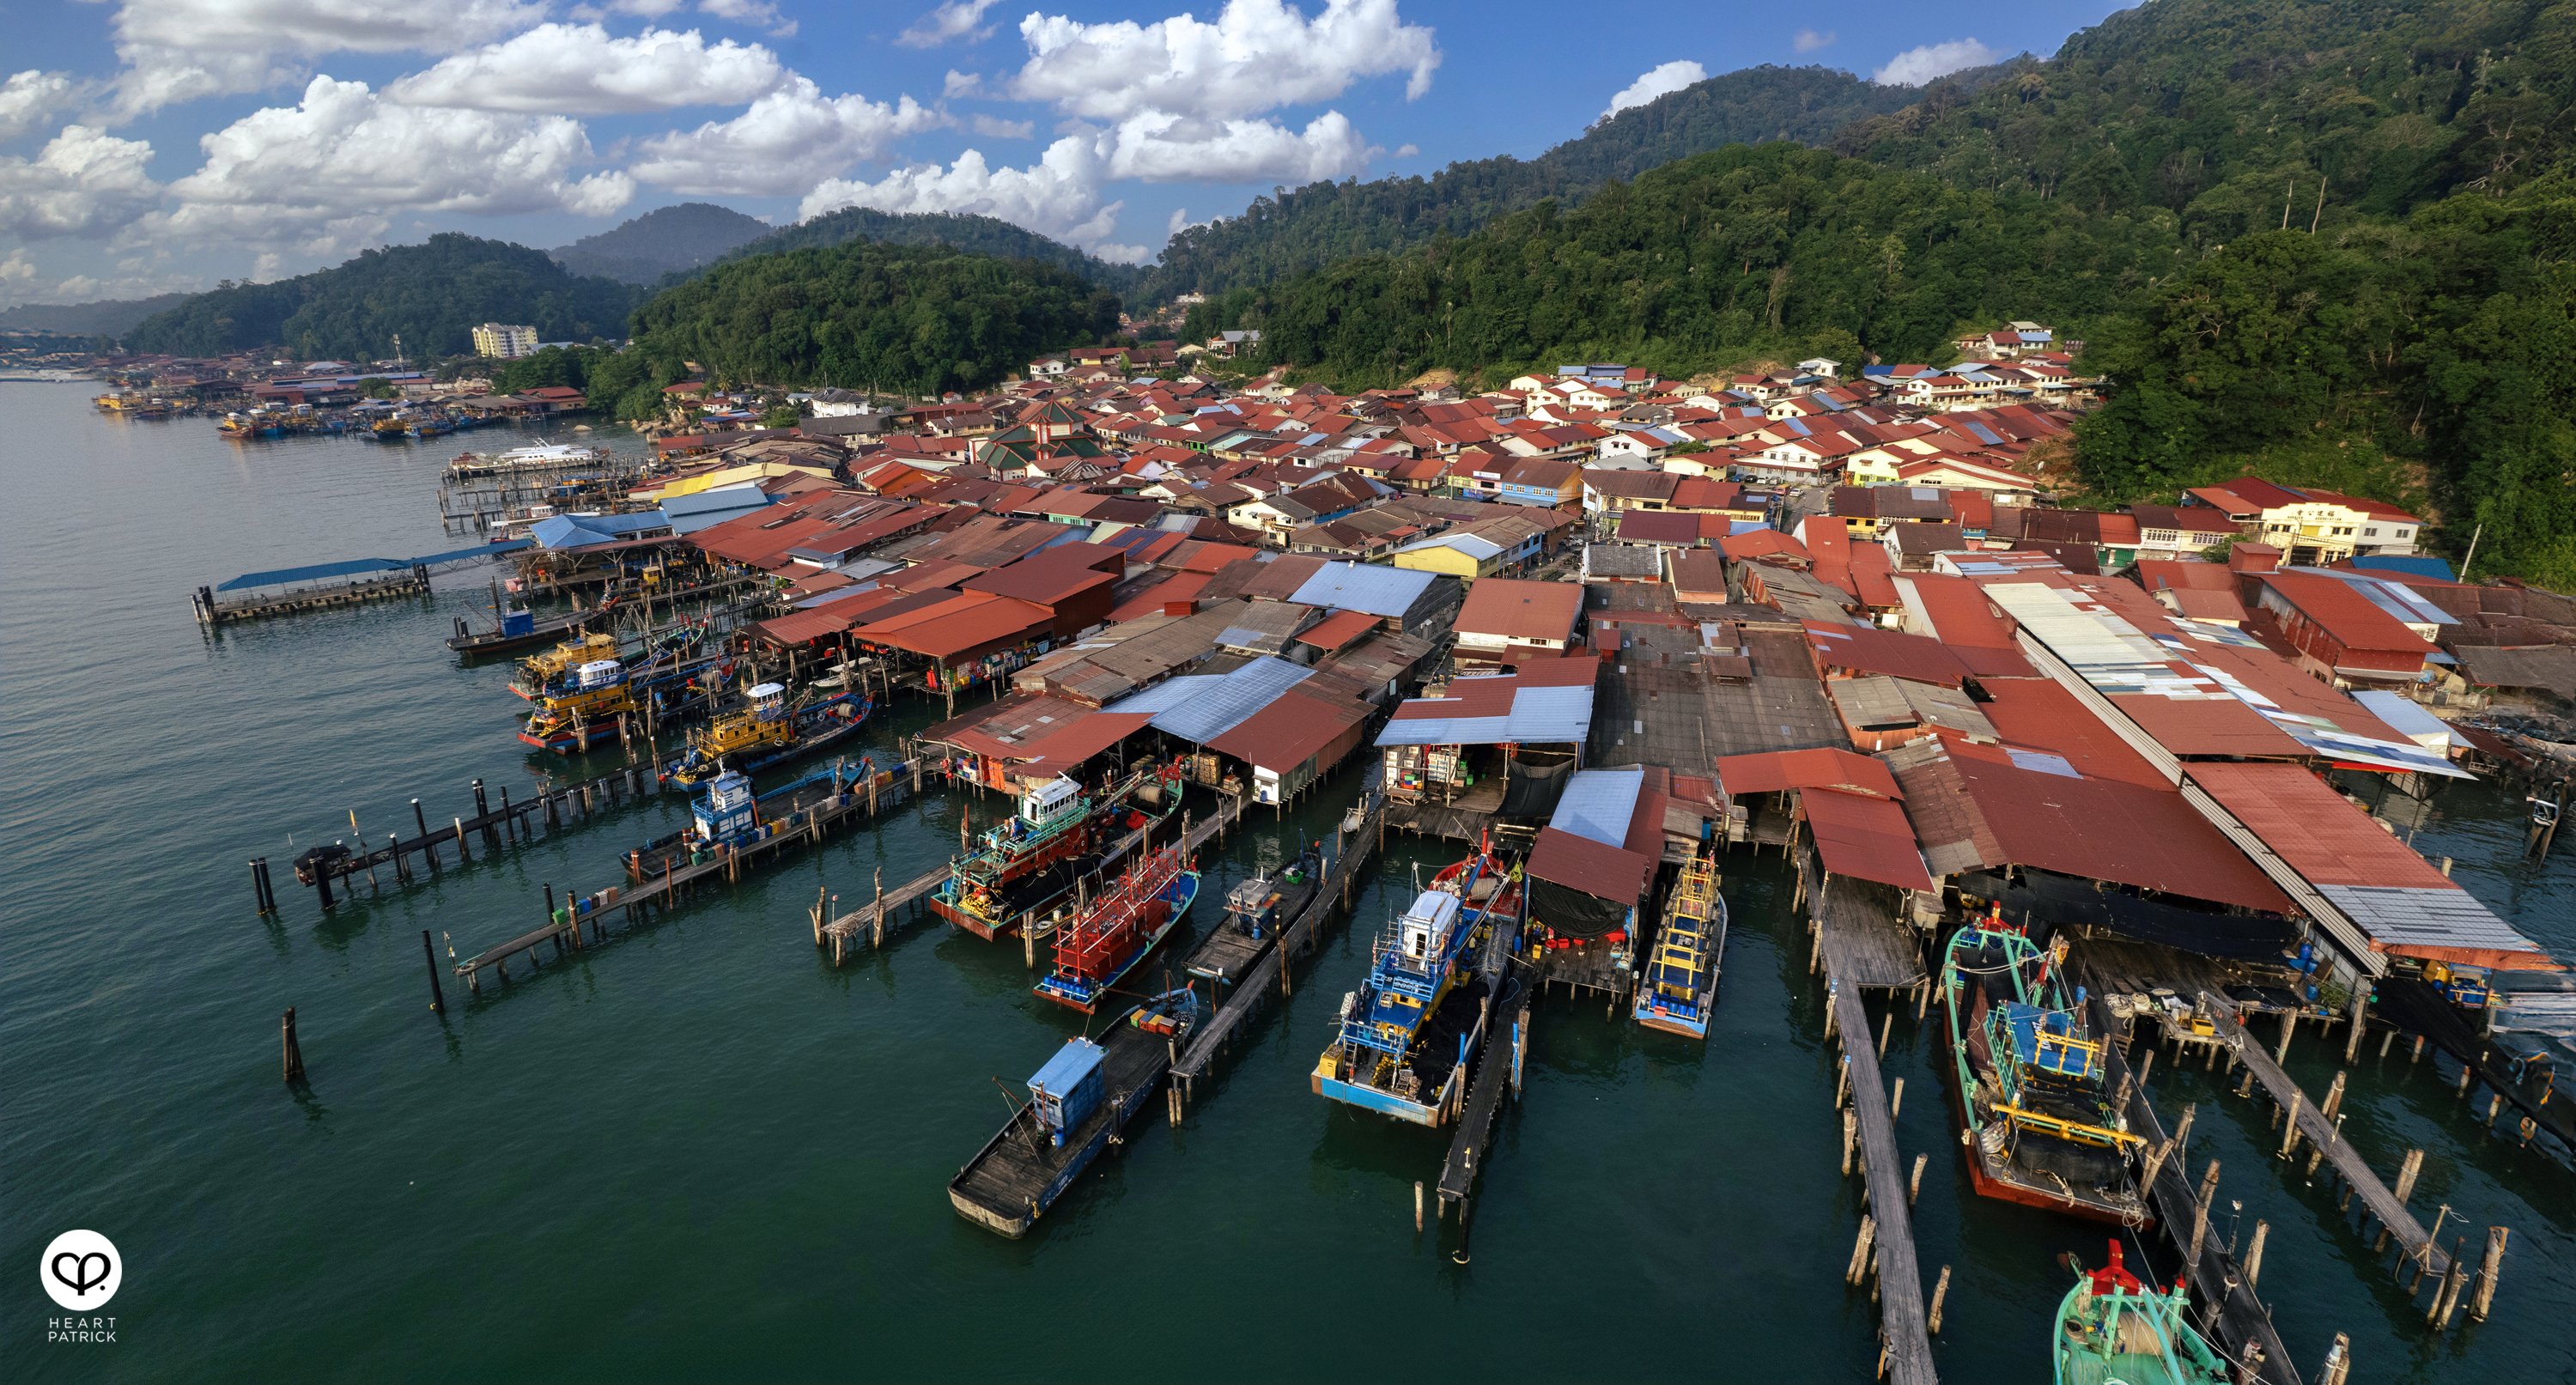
x: 85, y: 182
x: 1915, y: 66
x: 952, y: 20
x: 1258, y: 55
x: 329, y: 172
x: 568, y: 69
x: 1808, y: 40
x: 786, y: 142
x: 180, y: 50
x: 1660, y: 81
x: 992, y: 127
x: 580, y: 70
x: 28, y: 99
x: 961, y: 84
x: 1057, y: 196
x: 1157, y: 147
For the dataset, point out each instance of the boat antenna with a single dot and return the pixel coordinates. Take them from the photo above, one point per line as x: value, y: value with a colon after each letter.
x: 1013, y: 1103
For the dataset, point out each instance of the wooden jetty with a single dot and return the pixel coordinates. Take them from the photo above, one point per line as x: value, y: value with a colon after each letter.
x: 1861, y: 944
x: 511, y: 824
x: 1350, y: 854
x: 2223, y: 1288
x: 2418, y: 1006
x: 2322, y: 1130
x: 1498, y: 1073
x: 584, y: 921
x: 1020, y: 1172
x: 212, y: 611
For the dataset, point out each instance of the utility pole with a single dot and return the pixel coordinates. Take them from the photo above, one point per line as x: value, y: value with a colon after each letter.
x: 2473, y: 552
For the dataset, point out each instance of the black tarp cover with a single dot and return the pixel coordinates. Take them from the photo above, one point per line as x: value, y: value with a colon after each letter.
x: 2049, y: 898
x: 1531, y: 789
x: 1572, y: 912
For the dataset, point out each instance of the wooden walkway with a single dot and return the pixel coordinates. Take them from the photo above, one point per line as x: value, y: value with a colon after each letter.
x: 575, y: 926
x: 511, y: 824
x: 2322, y: 1133
x: 1498, y: 1070
x: 1888, y: 1226
x: 212, y: 611
x: 1349, y: 855
x: 2229, y: 1307
x: 1878, y: 949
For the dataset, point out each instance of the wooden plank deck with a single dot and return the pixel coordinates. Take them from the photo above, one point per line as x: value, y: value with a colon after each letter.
x: 1497, y: 1072
x: 1014, y: 1177
x: 1902, y: 1330
x: 2217, y: 1281
x: 1350, y: 854
x: 2321, y: 1133
x: 1858, y: 919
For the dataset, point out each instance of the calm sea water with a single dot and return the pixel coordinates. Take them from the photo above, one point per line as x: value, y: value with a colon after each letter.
x: 700, y: 1152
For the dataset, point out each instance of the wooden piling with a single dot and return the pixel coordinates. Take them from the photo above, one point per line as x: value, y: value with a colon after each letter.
x: 1914, y: 1184
x: 2290, y: 1127
x: 437, y: 998
x: 2200, y: 1214
x: 464, y: 856
x: 2338, y: 1364
x: 2415, y: 1054
x: 2446, y: 1296
x: 2289, y: 1026
x: 1859, y: 1265
x: 1940, y: 1292
x: 2360, y: 1021
x: 294, y: 1052
x: 258, y: 895
x: 2468, y: 1078
x: 2488, y: 1269
x: 2254, y: 1254
x: 1884, y: 1027
x: 2495, y: 1103
x: 2334, y: 1097
x: 2156, y: 1160
x: 1896, y: 1103
x: 1851, y: 1125
x: 1417, y: 1206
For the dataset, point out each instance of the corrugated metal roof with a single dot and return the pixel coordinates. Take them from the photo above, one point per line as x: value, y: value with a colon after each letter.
x: 1599, y: 803
x: 2419, y: 921
x: 1538, y: 715
x: 2396, y: 598
x: 1201, y: 707
x: 1380, y: 591
x: 1867, y: 838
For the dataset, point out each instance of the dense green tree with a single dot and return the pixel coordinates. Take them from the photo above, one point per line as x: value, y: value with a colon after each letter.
x: 867, y: 315
x: 976, y: 235
x: 430, y: 295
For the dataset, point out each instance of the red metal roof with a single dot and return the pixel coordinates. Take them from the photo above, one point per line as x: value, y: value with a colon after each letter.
x: 1865, y: 837
x: 1291, y: 729
x: 1772, y: 770
x: 1519, y: 610
x: 1067, y: 746
x: 1336, y: 630
x: 1865, y: 649
x: 2317, y: 831
x: 1597, y: 869
x: 958, y: 625
x: 1957, y: 611
x: 2038, y: 714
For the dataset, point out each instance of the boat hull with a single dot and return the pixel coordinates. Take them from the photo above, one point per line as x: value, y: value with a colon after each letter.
x: 1088, y: 1000
x: 570, y: 741
x: 1987, y: 1184
x: 1371, y: 1099
x: 1670, y: 1021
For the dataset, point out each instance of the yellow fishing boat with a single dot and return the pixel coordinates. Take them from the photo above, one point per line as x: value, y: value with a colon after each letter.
x: 538, y: 671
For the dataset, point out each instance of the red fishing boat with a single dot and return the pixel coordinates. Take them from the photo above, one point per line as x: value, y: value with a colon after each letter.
x: 1111, y: 934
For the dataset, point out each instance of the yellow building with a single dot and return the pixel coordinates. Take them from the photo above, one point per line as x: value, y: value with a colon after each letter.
x: 504, y: 342
x: 1463, y: 556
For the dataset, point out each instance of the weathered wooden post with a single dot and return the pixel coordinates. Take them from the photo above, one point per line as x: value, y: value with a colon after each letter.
x: 437, y: 998
x: 2446, y: 1297
x: 1940, y: 1292
x: 258, y: 895
x: 2290, y: 1127
x: 876, y: 916
x: 1886, y: 1026
x: 1896, y: 1103
x: 1859, y: 1265
x: 2334, y: 1097
x: 2487, y: 1272
x: 2254, y: 1254
x: 2289, y: 1026
x: 2338, y: 1361
x: 1417, y: 1207
x: 464, y: 856
x: 2200, y: 1217
x: 1914, y: 1184
x: 1849, y: 1123
x: 2360, y: 1007
x: 294, y: 1053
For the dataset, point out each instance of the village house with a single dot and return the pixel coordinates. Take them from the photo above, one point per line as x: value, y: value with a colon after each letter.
x: 2315, y: 527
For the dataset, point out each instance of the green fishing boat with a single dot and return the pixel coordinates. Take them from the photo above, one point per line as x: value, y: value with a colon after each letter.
x: 2114, y: 1330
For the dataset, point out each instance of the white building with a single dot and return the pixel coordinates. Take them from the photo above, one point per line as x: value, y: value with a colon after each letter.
x: 505, y: 342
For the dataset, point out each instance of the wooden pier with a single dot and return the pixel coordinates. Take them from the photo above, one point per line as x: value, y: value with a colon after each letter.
x: 2419, y: 1007
x: 632, y: 903
x: 212, y: 611
x: 1498, y: 1073
x: 2323, y: 1131
x: 2220, y: 1285
x: 1351, y: 853
x: 1860, y: 944
x: 489, y: 830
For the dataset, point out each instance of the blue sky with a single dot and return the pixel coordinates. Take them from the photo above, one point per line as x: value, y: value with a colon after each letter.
x: 153, y: 145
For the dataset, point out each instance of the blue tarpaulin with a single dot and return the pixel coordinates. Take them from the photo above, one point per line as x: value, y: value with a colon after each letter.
x: 580, y: 531
x: 317, y: 571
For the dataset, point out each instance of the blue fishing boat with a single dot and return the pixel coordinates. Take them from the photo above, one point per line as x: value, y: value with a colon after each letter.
x: 1410, y: 1032
x: 1679, y: 985
x: 1111, y: 934
x: 767, y: 732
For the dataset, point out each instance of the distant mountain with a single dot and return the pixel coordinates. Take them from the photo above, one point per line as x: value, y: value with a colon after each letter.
x: 1309, y: 227
x: 106, y: 318
x: 981, y: 235
x: 644, y: 249
x: 431, y: 295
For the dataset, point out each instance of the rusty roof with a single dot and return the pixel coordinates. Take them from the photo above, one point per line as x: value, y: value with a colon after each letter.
x: 1867, y: 838
x: 1771, y: 770
x: 1595, y: 868
x: 1519, y: 610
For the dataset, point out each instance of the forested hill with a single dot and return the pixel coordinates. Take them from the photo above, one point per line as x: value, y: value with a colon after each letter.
x: 864, y: 314
x: 2230, y: 115
x: 431, y: 295
x: 978, y: 235
x: 106, y: 317
x: 1305, y: 228
x: 643, y: 249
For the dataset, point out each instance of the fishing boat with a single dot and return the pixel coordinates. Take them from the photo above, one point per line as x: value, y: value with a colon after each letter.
x: 2112, y: 1327
x: 1030, y: 863
x: 1410, y: 1032
x: 1078, y: 1102
x: 1679, y: 986
x: 1255, y: 913
x: 541, y: 674
x: 2030, y: 1080
x: 1109, y: 935
x: 586, y: 713
x: 767, y: 732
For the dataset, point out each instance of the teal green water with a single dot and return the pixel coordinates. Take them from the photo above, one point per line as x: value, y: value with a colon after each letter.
x: 699, y: 1152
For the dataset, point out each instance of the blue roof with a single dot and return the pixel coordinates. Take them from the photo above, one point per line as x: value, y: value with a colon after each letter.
x: 315, y: 572
x: 707, y: 508
x: 1599, y: 803
x: 1379, y: 591
x: 578, y: 531
x: 1065, y: 1071
x: 2420, y: 566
